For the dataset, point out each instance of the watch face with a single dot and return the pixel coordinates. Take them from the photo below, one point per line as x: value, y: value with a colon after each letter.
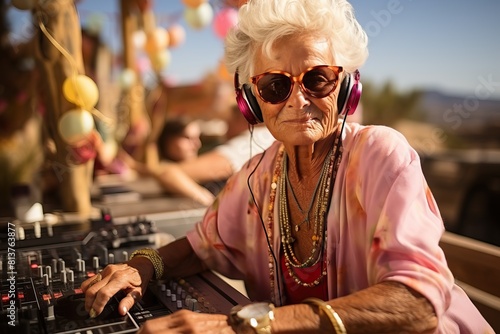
x: 255, y: 311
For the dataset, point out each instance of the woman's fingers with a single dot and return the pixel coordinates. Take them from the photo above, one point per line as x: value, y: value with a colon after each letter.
x: 114, y: 278
x: 184, y: 321
x: 90, y: 281
x: 129, y: 300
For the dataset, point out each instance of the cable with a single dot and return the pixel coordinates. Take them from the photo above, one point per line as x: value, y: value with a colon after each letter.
x: 264, y: 226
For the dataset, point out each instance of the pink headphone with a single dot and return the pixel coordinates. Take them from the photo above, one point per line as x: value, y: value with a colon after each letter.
x: 349, y: 95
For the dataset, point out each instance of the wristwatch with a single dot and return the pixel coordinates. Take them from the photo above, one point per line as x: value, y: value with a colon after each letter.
x: 252, y: 318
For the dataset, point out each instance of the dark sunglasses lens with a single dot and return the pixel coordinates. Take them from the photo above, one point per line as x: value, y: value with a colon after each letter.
x: 274, y: 87
x: 320, y: 81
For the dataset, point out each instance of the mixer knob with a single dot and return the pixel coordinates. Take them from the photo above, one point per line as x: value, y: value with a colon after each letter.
x: 50, y: 313
x: 48, y: 271
x: 50, y: 230
x: 192, y: 304
x: 111, y: 258
x: 37, y: 229
x: 20, y: 233
x: 64, y: 278
x: 62, y: 265
x: 54, y: 266
x: 80, y: 265
x: 71, y: 276
x: 46, y: 280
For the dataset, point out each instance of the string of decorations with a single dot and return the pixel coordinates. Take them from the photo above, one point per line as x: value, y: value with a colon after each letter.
x: 75, y: 126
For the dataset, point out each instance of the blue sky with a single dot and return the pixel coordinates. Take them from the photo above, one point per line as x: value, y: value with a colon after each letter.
x: 449, y: 45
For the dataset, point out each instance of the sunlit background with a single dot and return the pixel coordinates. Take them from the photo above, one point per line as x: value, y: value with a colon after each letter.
x: 449, y: 45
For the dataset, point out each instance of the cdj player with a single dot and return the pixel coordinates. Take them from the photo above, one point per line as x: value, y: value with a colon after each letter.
x: 42, y: 266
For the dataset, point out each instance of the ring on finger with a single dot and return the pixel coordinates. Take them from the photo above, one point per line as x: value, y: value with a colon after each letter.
x: 97, y: 279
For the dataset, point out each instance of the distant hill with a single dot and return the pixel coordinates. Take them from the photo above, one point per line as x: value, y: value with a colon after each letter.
x: 460, y: 113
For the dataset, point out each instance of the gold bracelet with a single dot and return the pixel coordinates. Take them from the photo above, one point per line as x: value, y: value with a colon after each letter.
x: 333, y: 316
x: 153, y: 256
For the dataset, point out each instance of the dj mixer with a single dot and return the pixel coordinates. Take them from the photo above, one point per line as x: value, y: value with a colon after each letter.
x: 42, y: 267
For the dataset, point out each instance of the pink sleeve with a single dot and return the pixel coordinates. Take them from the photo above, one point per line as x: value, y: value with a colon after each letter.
x: 403, y: 218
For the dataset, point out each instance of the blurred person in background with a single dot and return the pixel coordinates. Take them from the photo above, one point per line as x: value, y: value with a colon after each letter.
x: 180, y: 140
x: 201, y: 177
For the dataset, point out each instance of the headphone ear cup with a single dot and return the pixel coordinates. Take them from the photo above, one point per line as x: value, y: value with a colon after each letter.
x: 349, y: 94
x: 344, y: 89
x: 248, y: 105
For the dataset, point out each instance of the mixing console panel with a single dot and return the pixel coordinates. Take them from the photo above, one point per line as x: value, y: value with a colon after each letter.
x: 42, y: 294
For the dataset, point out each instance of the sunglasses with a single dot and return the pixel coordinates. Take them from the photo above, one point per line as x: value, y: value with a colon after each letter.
x: 276, y: 86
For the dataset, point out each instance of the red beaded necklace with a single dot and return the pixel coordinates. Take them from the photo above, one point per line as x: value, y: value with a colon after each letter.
x: 333, y: 164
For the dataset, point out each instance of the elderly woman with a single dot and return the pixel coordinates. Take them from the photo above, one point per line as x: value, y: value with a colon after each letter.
x: 333, y: 224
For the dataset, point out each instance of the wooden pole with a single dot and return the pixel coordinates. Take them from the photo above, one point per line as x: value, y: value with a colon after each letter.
x: 60, y: 19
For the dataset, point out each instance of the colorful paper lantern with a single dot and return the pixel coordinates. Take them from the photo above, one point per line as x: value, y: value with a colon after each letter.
x: 75, y: 125
x: 85, y: 150
x: 81, y: 90
x: 156, y: 40
x: 160, y: 60
x: 225, y: 20
x: 127, y: 78
x: 176, y: 34
x: 199, y: 17
x: 139, y: 39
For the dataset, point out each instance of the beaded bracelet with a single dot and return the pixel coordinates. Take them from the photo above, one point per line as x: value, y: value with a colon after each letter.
x: 153, y: 256
x: 333, y: 316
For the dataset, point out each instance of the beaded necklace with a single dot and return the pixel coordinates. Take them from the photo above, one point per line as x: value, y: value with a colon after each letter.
x: 287, y: 238
x: 305, y: 213
x: 333, y: 165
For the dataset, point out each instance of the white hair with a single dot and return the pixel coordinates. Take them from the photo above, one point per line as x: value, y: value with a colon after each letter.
x: 264, y: 22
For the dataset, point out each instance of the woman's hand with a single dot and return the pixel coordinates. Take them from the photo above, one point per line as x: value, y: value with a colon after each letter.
x: 132, y: 277
x: 185, y: 321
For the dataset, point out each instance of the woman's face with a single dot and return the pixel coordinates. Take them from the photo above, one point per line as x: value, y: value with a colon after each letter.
x: 301, y: 119
x: 185, y: 146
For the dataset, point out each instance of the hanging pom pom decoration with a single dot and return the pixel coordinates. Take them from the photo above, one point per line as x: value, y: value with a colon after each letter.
x: 160, y: 60
x: 75, y: 125
x: 177, y: 35
x: 199, y: 17
x: 127, y: 78
x: 156, y: 40
x: 225, y: 20
x: 86, y: 149
x: 139, y: 39
x: 81, y: 90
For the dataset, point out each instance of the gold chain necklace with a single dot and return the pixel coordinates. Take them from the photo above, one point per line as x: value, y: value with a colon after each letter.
x: 305, y: 214
x: 318, y: 229
x: 270, y: 216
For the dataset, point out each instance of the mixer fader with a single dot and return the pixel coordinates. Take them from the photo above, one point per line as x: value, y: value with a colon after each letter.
x: 50, y: 270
